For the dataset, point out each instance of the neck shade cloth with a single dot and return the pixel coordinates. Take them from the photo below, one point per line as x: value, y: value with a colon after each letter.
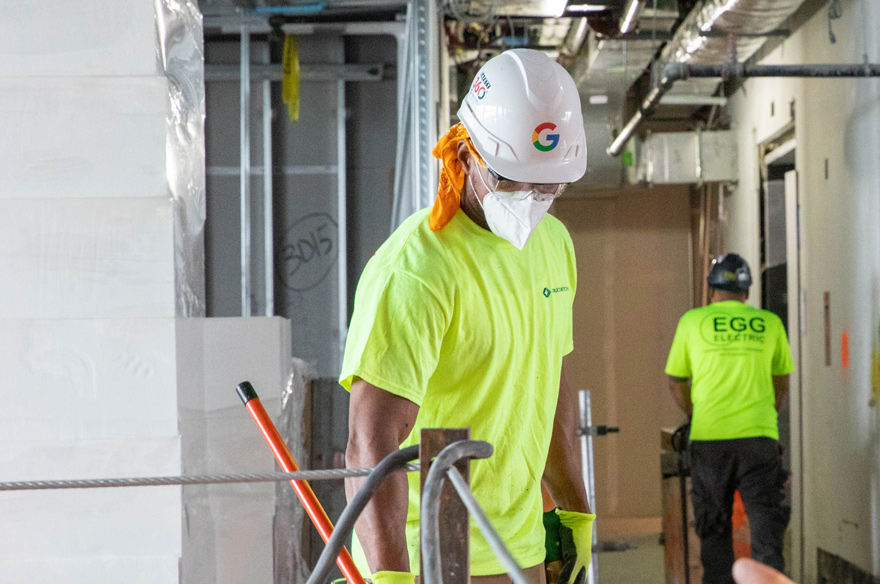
x: 448, y: 199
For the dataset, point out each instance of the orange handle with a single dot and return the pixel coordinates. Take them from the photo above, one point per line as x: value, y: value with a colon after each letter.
x: 303, y: 490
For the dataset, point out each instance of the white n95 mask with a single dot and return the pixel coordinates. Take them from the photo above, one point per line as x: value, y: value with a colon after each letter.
x: 514, y: 214
x: 514, y: 219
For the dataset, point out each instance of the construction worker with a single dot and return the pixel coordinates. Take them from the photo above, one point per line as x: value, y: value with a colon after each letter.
x: 728, y: 369
x: 462, y: 318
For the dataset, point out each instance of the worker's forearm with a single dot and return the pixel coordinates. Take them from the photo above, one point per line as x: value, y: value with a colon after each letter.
x: 780, y: 390
x: 680, y: 388
x: 381, y: 528
x: 563, y: 473
x: 565, y: 482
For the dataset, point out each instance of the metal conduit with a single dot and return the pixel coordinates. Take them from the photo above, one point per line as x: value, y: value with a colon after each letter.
x: 677, y: 71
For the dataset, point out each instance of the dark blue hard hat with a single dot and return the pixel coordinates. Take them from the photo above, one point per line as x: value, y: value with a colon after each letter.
x: 730, y: 273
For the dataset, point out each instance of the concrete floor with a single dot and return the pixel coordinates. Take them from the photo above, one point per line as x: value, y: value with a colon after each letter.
x: 643, y: 563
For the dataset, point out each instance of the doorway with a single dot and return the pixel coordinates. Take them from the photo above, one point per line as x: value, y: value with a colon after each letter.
x: 781, y: 293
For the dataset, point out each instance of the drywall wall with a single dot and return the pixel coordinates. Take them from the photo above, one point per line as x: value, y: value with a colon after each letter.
x: 634, y: 283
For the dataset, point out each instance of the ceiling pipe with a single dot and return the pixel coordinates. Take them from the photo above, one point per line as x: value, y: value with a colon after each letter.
x: 630, y: 16
x: 676, y: 71
x: 574, y: 40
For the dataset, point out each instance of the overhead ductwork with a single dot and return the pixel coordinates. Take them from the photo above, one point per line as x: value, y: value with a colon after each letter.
x: 747, y: 21
x: 719, y: 31
x: 714, y: 32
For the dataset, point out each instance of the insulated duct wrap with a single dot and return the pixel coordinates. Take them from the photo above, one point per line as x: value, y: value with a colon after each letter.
x: 734, y: 17
x: 181, y: 60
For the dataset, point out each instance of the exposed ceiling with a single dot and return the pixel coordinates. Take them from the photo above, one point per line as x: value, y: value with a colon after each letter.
x: 612, y: 70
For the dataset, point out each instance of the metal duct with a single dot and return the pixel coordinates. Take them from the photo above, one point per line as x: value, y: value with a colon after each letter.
x: 716, y: 31
x: 741, y: 22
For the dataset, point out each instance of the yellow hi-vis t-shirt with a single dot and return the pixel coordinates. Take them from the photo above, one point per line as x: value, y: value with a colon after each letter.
x: 731, y: 351
x: 473, y: 331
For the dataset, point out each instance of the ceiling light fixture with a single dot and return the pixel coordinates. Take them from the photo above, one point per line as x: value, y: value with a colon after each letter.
x: 585, y: 8
x: 631, y: 16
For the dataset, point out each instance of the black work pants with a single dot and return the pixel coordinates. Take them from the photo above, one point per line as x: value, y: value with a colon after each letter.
x: 754, y: 467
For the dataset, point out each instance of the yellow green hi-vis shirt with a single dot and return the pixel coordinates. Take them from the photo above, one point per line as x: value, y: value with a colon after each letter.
x: 473, y: 331
x: 731, y: 351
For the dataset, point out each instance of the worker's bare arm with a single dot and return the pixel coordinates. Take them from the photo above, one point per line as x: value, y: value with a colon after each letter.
x: 680, y: 388
x: 780, y: 389
x: 563, y: 475
x: 378, y: 422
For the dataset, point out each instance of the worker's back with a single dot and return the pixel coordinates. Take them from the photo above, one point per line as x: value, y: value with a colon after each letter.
x: 731, y: 351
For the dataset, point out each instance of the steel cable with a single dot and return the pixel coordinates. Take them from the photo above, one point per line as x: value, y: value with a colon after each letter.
x: 302, y: 475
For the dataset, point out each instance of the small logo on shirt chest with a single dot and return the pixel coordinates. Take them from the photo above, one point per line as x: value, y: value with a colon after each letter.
x: 550, y: 291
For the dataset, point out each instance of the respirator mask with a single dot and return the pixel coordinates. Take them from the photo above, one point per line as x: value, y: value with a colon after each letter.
x: 514, y: 209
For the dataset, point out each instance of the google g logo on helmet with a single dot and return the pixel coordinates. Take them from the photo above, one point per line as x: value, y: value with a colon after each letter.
x: 549, y: 142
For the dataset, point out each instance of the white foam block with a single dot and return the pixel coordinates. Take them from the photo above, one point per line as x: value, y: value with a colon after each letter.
x: 83, y: 136
x: 87, y: 379
x: 130, y: 570
x: 87, y: 37
x: 246, y: 349
x: 37, y: 460
x: 87, y: 258
x: 231, y: 525
x: 90, y: 523
x: 245, y: 543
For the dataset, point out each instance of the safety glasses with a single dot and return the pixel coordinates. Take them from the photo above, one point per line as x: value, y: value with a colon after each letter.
x: 516, y: 190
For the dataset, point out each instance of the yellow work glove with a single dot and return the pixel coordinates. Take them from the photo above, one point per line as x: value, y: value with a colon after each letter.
x: 576, y: 543
x: 387, y: 577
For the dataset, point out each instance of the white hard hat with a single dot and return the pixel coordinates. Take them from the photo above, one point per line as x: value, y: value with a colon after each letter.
x: 523, y: 113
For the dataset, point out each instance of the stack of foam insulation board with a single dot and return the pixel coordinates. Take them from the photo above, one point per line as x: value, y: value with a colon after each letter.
x: 229, y: 530
x: 101, y: 214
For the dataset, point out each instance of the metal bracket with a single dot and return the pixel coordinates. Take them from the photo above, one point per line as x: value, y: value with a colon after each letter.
x: 308, y: 72
x: 598, y: 430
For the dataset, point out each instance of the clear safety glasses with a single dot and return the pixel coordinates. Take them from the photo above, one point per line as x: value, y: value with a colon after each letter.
x: 505, y: 187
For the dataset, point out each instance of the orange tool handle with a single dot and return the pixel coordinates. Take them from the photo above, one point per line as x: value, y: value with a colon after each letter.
x: 304, y: 491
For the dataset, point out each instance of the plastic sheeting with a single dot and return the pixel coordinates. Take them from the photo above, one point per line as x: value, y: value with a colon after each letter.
x: 290, y: 563
x: 181, y: 59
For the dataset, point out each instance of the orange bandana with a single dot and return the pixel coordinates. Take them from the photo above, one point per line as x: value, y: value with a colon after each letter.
x: 448, y: 199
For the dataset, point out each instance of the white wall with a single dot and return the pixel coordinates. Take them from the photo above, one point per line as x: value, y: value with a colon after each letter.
x: 837, y: 120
